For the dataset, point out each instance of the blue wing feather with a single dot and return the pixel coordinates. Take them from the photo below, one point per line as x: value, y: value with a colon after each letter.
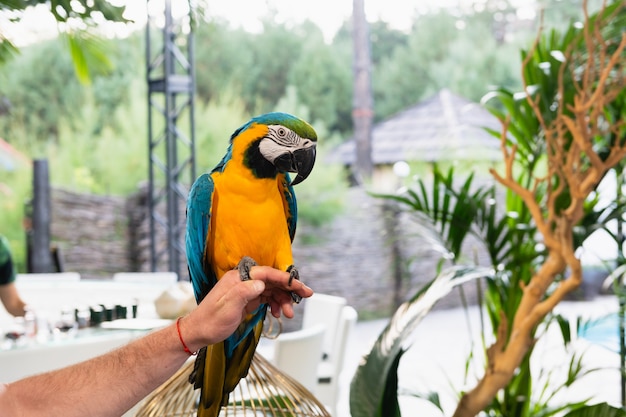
x: 292, y: 207
x: 198, y: 223
x: 202, y: 277
x: 239, y: 347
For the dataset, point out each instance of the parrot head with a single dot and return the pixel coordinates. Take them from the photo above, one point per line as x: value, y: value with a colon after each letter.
x: 288, y: 146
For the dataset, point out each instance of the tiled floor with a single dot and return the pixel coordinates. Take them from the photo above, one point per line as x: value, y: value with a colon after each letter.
x: 437, y: 357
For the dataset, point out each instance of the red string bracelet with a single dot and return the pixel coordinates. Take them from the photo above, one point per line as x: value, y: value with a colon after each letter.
x: 180, y: 337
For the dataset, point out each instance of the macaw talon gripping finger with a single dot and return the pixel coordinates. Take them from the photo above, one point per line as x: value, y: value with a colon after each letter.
x: 245, y: 264
x: 293, y: 273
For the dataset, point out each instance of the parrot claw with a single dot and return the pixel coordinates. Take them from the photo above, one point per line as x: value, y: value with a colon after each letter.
x: 293, y: 273
x: 244, y: 266
x: 247, y: 262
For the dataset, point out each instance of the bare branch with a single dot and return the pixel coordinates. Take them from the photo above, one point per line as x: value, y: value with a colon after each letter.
x: 574, y: 167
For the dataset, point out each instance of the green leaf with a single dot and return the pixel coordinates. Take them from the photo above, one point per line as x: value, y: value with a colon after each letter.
x: 7, y: 50
x: 108, y: 10
x: 369, y: 393
x: 89, y: 54
x: 13, y: 4
x: 452, y: 212
x: 390, y: 407
x: 597, y: 410
x: 80, y: 60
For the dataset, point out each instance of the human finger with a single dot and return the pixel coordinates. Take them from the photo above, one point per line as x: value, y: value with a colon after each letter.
x: 285, y: 309
x: 280, y: 301
x: 275, y: 278
x: 257, y: 291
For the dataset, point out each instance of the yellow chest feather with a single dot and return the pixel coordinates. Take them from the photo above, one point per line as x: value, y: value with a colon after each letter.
x: 248, y: 219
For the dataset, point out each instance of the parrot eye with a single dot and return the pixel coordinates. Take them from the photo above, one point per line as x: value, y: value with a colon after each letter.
x: 282, y: 135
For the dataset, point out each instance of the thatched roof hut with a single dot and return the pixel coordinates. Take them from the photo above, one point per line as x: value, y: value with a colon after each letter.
x: 445, y: 127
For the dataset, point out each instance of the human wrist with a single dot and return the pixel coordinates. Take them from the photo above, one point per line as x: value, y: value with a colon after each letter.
x: 182, y: 340
x: 190, y: 339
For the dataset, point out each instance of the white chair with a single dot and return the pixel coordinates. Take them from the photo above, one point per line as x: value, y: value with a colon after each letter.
x: 329, y: 370
x: 324, y: 309
x: 298, y: 354
x: 166, y: 278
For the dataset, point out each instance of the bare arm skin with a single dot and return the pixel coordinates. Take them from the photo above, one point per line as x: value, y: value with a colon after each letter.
x: 111, y: 384
x: 12, y: 300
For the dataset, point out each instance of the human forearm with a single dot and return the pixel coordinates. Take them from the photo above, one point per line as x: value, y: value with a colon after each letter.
x: 111, y: 384
x: 11, y: 299
x: 97, y: 387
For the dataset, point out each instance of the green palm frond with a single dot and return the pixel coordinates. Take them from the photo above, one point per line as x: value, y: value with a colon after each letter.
x: 375, y: 383
x: 597, y: 410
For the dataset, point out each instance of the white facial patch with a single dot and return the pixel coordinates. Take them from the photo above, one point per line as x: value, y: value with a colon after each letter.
x: 270, y: 149
x: 280, y: 140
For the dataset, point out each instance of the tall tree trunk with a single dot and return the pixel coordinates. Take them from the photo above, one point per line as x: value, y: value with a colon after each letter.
x: 362, y: 105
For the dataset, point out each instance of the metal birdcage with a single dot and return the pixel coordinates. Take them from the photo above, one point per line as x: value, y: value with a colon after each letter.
x: 266, y: 391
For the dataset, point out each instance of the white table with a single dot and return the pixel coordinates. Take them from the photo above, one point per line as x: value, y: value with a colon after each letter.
x: 20, y: 362
x: 48, y: 298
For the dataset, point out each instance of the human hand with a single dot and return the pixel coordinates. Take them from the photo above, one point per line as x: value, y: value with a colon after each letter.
x: 231, y: 299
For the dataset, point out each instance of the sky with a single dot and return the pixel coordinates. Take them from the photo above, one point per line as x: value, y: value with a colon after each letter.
x: 327, y: 14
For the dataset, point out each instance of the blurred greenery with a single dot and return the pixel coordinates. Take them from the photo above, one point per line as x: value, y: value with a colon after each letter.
x: 95, y: 135
x: 449, y: 207
x: 77, y: 22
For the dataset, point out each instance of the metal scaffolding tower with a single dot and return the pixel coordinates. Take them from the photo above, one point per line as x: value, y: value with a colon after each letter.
x: 171, y: 136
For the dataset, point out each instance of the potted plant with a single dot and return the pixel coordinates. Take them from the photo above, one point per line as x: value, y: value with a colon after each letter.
x: 559, y: 138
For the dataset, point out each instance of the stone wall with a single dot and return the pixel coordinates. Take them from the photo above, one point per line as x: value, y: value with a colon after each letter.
x: 91, y: 233
x: 352, y: 256
x: 100, y: 235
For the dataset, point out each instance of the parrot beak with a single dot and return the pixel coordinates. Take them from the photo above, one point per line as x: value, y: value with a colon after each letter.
x: 305, y: 159
x: 300, y: 161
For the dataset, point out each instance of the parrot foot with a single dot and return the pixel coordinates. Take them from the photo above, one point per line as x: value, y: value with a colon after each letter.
x: 293, y: 273
x: 244, y: 266
x: 246, y: 263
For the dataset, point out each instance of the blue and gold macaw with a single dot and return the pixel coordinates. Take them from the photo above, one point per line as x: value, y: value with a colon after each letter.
x: 244, y: 212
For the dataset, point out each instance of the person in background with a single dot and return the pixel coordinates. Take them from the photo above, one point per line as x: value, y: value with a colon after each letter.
x: 9, y: 296
x: 109, y: 385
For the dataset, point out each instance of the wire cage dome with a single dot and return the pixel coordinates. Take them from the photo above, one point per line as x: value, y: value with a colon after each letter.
x: 266, y: 391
